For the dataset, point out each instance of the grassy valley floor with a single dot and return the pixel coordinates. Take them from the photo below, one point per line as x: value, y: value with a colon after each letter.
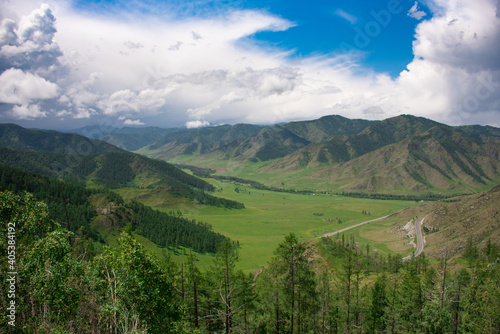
x: 269, y: 216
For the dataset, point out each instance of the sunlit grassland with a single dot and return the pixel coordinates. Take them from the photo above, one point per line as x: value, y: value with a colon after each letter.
x: 386, y: 236
x: 268, y: 216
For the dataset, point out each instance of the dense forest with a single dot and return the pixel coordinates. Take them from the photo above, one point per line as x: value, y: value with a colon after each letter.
x: 59, y: 287
x: 69, y: 203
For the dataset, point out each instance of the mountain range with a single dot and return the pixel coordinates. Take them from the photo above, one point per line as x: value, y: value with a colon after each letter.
x: 396, y: 155
x: 98, y: 163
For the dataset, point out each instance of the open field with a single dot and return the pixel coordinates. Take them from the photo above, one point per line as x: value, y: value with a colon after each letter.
x: 269, y: 216
x: 386, y: 236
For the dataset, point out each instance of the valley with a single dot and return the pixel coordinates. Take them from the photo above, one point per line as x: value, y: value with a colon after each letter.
x: 198, y: 214
x: 268, y: 216
x: 256, y: 184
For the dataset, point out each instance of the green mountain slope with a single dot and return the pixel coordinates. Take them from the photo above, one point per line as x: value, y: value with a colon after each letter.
x: 115, y: 168
x: 132, y: 139
x: 344, y: 148
x: 19, y: 138
x: 326, y: 127
x: 118, y: 169
x: 440, y: 159
x: 403, y: 153
x: 251, y: 143
x: 199, y: 141
x: 270, y: 143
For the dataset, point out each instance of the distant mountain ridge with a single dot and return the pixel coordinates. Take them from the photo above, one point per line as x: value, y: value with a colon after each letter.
x: 19, y: 138
x: 401, y: 154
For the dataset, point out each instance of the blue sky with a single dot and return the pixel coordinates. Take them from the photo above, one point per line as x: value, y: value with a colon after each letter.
x: 384, y: 29
x: 66, y: 64
x: 332, y: 26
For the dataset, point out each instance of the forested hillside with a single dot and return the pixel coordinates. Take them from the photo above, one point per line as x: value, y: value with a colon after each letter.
x: 103, y: 165
x: 70, y: 204
x: 19, y: 138
x: 328, y: 286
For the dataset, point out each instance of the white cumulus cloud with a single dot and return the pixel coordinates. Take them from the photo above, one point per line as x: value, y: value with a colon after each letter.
x: 29, y: 111
x: 196, y: 124
x: 18, y: 87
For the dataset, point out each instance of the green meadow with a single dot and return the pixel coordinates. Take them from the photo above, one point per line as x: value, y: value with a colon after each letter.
x: 268, y: 216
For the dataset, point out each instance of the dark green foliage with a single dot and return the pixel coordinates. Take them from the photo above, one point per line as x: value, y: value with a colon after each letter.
x: 197, y: 171
x: 115, y: 169
x: 59, y: 196
x: 172, y: 176
x: 377, y: 306
x: 391, y: 197
x: 161, y: 228
x: 471, y: 252
x: 207, y: 199
x: 133, y: 289
x: 124, y: 289
x: 49, y: 164
x: 191, y: 149
x: 167, y: 230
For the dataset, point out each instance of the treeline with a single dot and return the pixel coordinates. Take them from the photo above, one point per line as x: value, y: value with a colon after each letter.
x: 207, y: 199
x: 197, y: 171
x: 171, y: 231
x: 407, y: 197
x: 72, y: 197
x: 126, y: 290
x: 259, y: 186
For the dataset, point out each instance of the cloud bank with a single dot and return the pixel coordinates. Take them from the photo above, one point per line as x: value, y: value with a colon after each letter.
x: 60, y: 65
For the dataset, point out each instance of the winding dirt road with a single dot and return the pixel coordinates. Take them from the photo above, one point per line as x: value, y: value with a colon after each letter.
x: 418, y: 228
x: 420, y: 240
x: 353, y: 226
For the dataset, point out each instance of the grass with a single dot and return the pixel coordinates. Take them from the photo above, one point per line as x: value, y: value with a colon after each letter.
x: 386, y: 236
x: 268, y: 217
x: 305, y: 178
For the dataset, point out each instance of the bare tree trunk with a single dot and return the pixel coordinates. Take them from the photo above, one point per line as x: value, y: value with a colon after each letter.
x: 299, y: 306
x: 444, y: 278
x: 182, y: 281
x: 393, y: 321
x: 227, y: 296
x: 195, y: 301
x: 277, y: 310
x: 67, y: 215
x: 457, y: 309
x: 323, y: 307
x: 349, y: 273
